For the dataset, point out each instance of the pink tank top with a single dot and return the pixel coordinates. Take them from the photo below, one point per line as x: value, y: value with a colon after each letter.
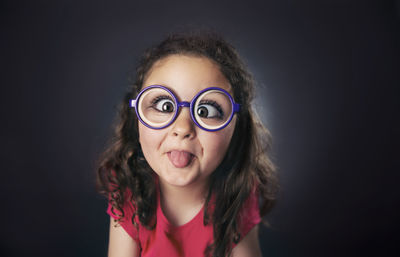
x: 190, y: 239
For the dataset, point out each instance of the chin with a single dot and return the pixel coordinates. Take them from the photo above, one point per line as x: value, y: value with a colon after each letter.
x: 177, y: 179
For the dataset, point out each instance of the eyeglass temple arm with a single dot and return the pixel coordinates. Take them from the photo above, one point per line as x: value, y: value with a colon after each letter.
x: 236, y: 107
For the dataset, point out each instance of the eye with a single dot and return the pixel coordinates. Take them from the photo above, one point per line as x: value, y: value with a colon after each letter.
x: 163, y: 104
x: 210, y: 109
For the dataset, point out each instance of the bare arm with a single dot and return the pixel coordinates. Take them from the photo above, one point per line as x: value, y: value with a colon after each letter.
x: 121, y: 244
x: 248, y: 246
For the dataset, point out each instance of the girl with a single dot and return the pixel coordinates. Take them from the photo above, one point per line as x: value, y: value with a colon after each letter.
x: 188, y: 163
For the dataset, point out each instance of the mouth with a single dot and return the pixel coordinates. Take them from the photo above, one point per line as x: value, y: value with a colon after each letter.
x: 180, y: 159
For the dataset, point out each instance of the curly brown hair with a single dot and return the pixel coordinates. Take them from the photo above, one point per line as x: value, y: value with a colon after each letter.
x: 246, y: 165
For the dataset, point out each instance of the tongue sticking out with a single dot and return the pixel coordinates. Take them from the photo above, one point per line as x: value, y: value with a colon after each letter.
x: 180, y: 159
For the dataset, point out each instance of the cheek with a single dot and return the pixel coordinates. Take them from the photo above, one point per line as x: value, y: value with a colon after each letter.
x: 149, y: 139
x: 216, y: 144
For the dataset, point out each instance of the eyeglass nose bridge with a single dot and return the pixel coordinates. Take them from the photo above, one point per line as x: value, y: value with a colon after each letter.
x: 179, y: 105
x: 183, y: 104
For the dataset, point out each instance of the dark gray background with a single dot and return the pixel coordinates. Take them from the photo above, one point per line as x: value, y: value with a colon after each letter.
x: 327, y: 74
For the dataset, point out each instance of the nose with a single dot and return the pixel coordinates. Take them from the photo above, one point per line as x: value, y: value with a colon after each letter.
x: 183, y: 126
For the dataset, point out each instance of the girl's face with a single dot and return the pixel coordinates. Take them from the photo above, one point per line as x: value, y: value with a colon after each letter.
x: 183, y: 154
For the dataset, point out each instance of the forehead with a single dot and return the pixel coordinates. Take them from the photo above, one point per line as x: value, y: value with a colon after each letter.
x: 186, y: 75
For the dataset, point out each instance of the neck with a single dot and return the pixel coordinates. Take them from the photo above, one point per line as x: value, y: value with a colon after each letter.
x: 181, y: 204
x: 184, y: 195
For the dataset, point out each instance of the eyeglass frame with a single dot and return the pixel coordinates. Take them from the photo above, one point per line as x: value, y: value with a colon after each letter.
x: 191, y: 104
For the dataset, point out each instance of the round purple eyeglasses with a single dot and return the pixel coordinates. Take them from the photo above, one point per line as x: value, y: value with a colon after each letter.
x: 211, y: 109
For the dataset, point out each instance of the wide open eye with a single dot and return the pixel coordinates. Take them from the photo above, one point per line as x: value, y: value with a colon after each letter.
x: 163, y: 104
x: 212, y: 109
x: 156, y: 107
x: 209, y: 109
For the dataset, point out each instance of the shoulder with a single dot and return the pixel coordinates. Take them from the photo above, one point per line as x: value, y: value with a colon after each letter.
x: 121, y: 244
x: 126, y: 214
x: 249, y: 245
x: 249, y: 215
x: 128, y: 206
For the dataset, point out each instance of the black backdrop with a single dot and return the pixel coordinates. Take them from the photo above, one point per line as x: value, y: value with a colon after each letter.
x: 327, y: 73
